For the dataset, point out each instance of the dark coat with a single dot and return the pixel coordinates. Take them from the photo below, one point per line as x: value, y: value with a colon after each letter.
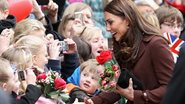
x: 176, y: 89
x: 31, y: 96
x: 153, y: 68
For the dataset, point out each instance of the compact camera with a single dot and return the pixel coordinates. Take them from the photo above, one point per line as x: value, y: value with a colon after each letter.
x: 63, y: 46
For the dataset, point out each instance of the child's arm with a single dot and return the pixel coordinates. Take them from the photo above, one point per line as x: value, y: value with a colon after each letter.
x: 31, y: 96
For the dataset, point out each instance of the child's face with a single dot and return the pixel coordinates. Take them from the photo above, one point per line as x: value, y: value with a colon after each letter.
x: 41, y: 58
x: 173, y: 28
x: 10, y: 84
x: 16, y: 83
x: 88, y: 82
x: 97, y: 44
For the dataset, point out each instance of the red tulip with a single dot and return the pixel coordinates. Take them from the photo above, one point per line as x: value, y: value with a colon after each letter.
x: 41, y: 76
x: 59, y: 83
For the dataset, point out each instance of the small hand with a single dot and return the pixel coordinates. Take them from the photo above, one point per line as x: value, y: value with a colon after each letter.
x: 72, y: 46
x: 88, y: 101
x: 52, y: 11
x: 127, y: 92
x: 30, y: 76
x: 54, y: 49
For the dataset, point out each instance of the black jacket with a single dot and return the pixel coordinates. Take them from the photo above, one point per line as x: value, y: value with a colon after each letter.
x: 176, y: 89
x: 31, y: 96
x: 10, y: 22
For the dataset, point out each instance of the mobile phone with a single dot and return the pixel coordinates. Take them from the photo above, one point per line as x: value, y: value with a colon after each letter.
x: 21, y: 75
x: 43, y: 2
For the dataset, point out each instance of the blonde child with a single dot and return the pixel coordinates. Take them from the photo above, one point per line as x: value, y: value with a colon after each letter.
x: 89, y: 81
x: 20, y: 59
x: 29, y: 27
x: 93, y: 36
x: 7, y: 82
x: 38, y: 49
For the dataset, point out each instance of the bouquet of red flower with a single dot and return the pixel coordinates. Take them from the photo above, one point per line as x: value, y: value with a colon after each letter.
x: 111, y: 73
x: 53, y: 86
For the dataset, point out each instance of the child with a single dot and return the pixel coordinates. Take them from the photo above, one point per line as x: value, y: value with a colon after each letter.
x: 38, y: 49
x: 20, y: 59
x: 7, y: 84
x: 93, y: 36
x: 89, y: 81
x: 170, y: 20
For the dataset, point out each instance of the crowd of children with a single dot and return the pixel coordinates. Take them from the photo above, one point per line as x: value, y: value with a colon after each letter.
x: 67, y: 36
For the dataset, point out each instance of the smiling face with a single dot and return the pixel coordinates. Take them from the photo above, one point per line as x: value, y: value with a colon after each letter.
x: 116, y: 25
x: 97, y: 44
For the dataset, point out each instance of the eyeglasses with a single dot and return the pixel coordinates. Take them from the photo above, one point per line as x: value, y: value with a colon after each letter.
x: 173, y: 25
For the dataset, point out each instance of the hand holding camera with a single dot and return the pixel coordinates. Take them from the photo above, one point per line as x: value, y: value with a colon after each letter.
x: 54, y: 49
x: 70, y: 46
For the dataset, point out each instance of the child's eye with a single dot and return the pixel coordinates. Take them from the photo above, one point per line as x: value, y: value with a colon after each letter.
x: 85, y: 74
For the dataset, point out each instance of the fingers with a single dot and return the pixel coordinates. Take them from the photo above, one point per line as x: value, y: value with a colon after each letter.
x: 52, y: 6
x: 130, y: 84
x: 88, y: 101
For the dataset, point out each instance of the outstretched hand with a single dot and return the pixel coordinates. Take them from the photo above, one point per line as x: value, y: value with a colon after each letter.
x: 88, y: 101
x: 127, y: 92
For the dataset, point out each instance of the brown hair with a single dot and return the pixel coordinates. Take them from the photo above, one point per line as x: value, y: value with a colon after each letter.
x: 62, y: 26
x: 127, y: 48
x: 91, y: 66
x: 169, y: 14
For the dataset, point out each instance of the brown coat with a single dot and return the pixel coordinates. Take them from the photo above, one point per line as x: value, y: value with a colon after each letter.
x: 153, y: 68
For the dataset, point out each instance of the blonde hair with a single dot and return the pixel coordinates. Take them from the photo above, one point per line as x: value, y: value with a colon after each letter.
x: 4, y: 5
x: 20, y: 57
x: 89, y: 32
x: 92, y: 66
x: 26, y: 27
x: 4, y: 70
x: 76, y: 7
x: 152, y: 18
x: 32, y: 42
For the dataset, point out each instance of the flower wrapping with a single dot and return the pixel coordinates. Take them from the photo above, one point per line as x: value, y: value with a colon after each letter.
x: 110, y: 75
x: 52, y: 86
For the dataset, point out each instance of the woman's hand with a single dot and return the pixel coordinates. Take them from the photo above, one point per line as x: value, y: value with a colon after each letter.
x: 127, y: 92
x: 88, y: 101
x: 72, y: 46
x: 52, y: 11
x: 54, y: 50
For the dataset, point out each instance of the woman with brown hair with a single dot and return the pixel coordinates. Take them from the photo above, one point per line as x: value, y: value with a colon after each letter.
x: 141, y: 51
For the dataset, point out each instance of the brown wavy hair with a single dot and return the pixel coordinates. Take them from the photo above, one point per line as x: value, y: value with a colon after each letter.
x: 126, y: 49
